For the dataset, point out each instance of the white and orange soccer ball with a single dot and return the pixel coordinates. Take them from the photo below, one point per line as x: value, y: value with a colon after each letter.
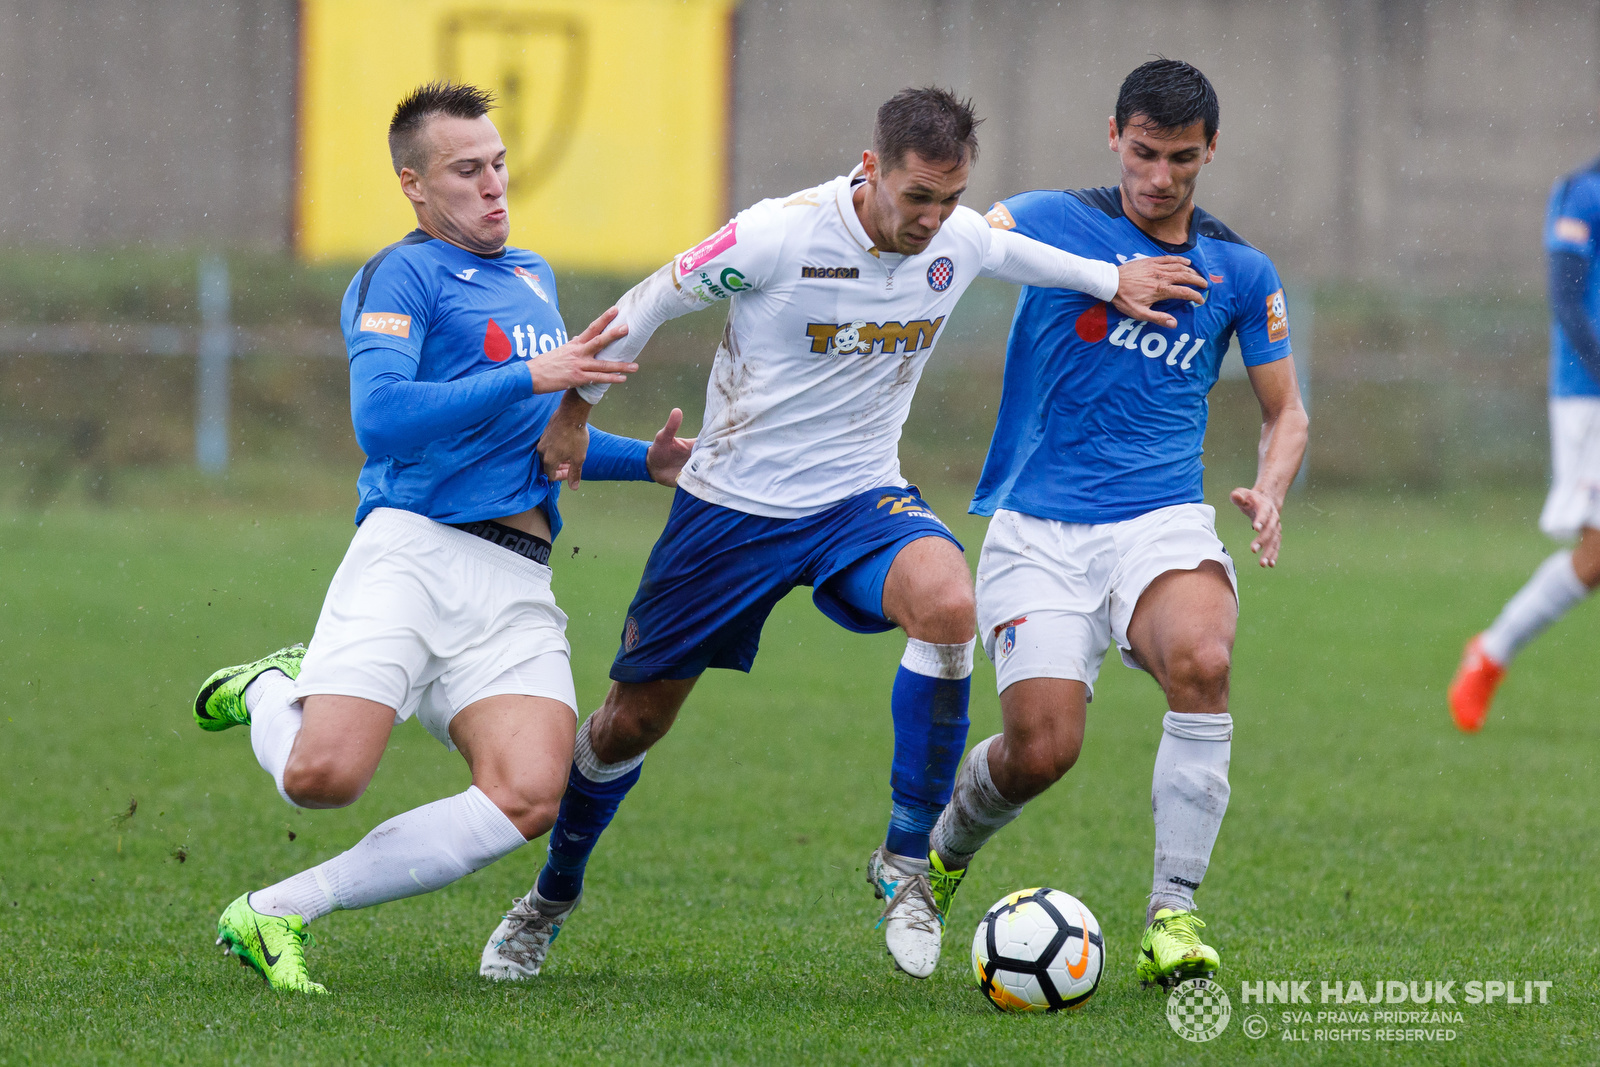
x: 1038, y: 950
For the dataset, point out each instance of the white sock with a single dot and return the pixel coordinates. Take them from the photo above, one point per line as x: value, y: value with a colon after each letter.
x: 1553, y: 591
x: 1189, y: 795
x: 274, y: 723
x: 976, y: 811
x: 417, y: 851
x: 587, y: 762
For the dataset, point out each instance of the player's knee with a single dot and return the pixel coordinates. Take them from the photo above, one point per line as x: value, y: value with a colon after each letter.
x: 531, y: 807
x: 323, y: 782
x: 944, y: 614
x: 1037, y: 767
x: 1201, y: 671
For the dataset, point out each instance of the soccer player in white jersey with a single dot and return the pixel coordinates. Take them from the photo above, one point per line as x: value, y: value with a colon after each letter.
x: 838, y: 293
x: 442, y: 607
x: 1572, y: 508
x: 1100, y: 533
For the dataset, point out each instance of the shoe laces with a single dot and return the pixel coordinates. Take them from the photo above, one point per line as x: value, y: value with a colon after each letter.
x: 943, y: 885
x: 1181, y: 927
x: 531, y: 931
x: 911, y: 901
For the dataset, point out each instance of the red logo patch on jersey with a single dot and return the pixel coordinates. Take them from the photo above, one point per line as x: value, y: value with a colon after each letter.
x: 1091, y: 325
x: 709, y: 249
x: 496, y: 345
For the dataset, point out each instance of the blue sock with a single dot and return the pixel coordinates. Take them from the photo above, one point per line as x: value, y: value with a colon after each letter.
x: 930, y: 734
x: 587, y: 808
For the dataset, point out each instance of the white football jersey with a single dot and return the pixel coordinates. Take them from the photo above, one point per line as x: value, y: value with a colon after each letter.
x: 825, y: 341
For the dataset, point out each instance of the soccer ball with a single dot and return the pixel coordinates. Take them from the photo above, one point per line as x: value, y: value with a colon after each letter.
x: 1038, y: 950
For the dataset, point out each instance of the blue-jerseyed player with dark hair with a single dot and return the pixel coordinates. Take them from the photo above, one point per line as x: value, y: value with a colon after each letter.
x: 1572, y: 508
x: 1100, y: 532
x: 442, y: 607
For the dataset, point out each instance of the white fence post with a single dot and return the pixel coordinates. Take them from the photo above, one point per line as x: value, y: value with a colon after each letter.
x: 212, y: 388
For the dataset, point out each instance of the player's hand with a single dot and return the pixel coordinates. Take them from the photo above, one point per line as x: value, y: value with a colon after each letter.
x: 668, y: 452
x: 1143, y: 282
x: 577, y: 362
x: 565, y: 441
x: 1265, y: 519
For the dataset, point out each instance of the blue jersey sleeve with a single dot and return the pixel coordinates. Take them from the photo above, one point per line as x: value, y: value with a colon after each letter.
x: 612, y: 458
x: 1039, y: 214
x: 1262, y: 324
x: 393, y: 413
x: 388, y: 305
x: 1573, y: 216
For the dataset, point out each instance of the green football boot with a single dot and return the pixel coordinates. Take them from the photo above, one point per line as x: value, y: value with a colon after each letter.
x: 1171, y: 951
x: 274, y: 945
x: 220, y: 702
x: 944, y: 884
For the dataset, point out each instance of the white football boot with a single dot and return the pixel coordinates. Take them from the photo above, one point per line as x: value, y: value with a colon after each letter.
x: 912, y: 926
x: 518, y: 946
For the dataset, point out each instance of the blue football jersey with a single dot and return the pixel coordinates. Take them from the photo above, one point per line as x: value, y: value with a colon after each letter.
x: 1102, y: 418
x: 1570, y: 226
x: 451, y: 314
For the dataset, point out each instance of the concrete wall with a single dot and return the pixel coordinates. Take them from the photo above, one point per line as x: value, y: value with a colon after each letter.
x: 169, y: 121
x: 1393, y: 140
x: 1382, y: 139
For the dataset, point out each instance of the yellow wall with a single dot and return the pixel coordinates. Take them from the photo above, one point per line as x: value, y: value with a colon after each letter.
x: 614, y: 113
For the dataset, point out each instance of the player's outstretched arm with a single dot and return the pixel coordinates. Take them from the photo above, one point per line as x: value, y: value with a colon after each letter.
x: 1131, y: 288
x: 1284, y: 430
x: 578, y: 362
x: 1144, y: 282
x: 565, y: 440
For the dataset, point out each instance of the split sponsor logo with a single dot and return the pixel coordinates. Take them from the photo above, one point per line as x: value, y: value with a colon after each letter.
x: 941, y: 272
x: 1277, y: 317
x: 809, y: 198
x: 830, y: 272
x: 709, y: 249
x: 1000, y: 218
x: 532, y: 281
x: 1007, y: 632
x: 1150, y: 341
x: 386, y: 322
x: 843, y: 339
x: 707, y: 288
x: 467, y: 274
x: 525, y: 341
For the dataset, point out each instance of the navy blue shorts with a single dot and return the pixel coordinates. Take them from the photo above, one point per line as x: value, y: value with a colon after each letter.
x: 715, y: 574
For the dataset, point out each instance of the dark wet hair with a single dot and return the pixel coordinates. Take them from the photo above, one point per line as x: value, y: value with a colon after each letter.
x: 931, y: 122
x: 1171, y: 95
x: 458, y: 100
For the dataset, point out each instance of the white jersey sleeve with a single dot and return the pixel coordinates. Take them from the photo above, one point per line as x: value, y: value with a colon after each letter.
x: 1016, y: 258
x: 738, y: 258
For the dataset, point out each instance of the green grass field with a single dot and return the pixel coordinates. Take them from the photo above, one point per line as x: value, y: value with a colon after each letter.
x: 726, y: 919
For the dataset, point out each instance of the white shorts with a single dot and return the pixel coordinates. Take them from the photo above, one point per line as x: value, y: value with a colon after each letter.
x: 1574, y: 500
x: 1052, y: 596
x: 428, y: 619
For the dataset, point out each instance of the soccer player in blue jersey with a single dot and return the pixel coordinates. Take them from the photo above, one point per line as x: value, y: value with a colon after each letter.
x: 1100, y: 532
x: 442, y: 607
x: 1572, y: 509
